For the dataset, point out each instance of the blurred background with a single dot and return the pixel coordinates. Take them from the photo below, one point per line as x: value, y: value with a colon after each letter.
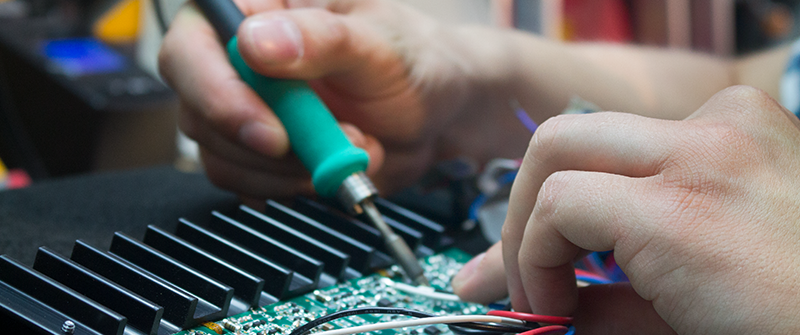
x: 80, y: 93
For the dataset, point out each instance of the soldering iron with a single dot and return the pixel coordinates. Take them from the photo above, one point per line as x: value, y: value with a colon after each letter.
x: 336, y: 165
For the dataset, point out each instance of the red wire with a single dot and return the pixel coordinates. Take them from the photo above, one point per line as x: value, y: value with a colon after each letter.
x: 580, y: 272
x: 557, y: 320
x: 546, y: 330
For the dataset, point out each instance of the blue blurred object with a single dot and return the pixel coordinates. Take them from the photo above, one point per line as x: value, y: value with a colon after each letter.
x: 83, y: 56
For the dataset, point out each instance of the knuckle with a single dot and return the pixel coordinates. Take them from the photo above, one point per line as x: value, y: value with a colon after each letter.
x: 336, y: 34
x: 747, y: 102
x: 745, y: 92
x: 546, y: 135
x: 549, y: 195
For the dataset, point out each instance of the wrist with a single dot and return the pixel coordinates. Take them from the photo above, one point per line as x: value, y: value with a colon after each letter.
x: 484, y: 126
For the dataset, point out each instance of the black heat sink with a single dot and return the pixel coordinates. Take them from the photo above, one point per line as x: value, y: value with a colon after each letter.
x: 169, y: 281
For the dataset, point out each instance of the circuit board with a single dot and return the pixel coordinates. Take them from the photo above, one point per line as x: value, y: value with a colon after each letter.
x: 374, y: 290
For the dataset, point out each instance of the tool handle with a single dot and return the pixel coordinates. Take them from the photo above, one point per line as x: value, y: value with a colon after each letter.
x: 314, y: 134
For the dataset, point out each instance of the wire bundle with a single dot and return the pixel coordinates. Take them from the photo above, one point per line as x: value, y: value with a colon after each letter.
x: 599, y: 268
x: 494, y: 322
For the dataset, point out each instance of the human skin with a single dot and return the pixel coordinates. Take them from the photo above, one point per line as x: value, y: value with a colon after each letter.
x: 702, y: 215
x: 412, y: 91
x: 408, y: 89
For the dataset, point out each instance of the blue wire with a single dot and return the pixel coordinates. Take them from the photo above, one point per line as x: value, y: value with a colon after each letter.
x: 597, y: 262
x: 526, y: 120
x: 481, y: 199
x: 507, y: 178
x: 593, y: 279
x: 475, y: 205
x: 571, y: 331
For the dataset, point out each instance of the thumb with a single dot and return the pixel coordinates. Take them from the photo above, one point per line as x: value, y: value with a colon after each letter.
x: 483, y: 279
x: 305, y: 43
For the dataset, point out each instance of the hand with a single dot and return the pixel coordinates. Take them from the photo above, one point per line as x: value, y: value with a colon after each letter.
x: 703, y: 216
x: 374, y: 64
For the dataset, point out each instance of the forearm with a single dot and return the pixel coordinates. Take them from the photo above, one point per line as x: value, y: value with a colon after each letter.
x: 543, y: 75
x: 653, y: 82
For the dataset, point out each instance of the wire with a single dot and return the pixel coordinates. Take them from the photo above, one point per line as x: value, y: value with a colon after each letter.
x: 523, y: 116
x: 160, y: 17
x: 571, y: 331
x: 477, y: 328
x: 547, y: 330
x: 558, y: 320
x: 424, y: 291
x: 402, y: 311
x: 593, y: 279
x: 357, y: 311
x: 424, y: 322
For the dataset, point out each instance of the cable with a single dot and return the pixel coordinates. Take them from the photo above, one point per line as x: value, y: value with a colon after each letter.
x: 456, y: 329
x: 402, y: 311
x: 547, y: 330
x: 357, y: 311
x: 424, y: 322
x: 424, y: 291
x: 558, y: 320
x: 593, y: 279
x: 523, y: 116
x: 160, y: 17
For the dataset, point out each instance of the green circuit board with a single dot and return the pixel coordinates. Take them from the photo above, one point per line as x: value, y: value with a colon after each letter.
x: 284, y: 316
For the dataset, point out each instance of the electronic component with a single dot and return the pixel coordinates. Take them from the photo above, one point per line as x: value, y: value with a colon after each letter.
x: 283, y: 317
x: 432, y: 330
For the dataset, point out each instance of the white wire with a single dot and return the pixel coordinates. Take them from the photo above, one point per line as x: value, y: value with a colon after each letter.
x: 423, y: 322
x: 421, y: 290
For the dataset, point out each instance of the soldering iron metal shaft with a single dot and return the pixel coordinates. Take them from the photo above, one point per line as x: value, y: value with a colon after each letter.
x: 356, y: 193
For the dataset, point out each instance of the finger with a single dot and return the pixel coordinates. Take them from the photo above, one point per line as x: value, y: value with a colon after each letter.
x: 195, y: 64
x: 483, y: 278
x: 606, y: 142
x: 198, y: 129
x: 369, y: 143
x: 580, y: 210
x: 616, y: 309
x: 336, y: 6
x: 252, y: 7
x: 309, y: 43
x: 250, y: 183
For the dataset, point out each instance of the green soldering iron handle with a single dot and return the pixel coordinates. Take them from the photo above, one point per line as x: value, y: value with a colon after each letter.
x: 314, y: 134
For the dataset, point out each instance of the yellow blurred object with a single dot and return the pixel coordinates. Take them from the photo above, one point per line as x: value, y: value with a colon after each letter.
x: 3, y: 170
x: 120, y: 24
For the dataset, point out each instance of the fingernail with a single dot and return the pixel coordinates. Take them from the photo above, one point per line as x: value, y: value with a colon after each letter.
x: 275, y: 39
x: 466, y: 272
x: 262, y: 138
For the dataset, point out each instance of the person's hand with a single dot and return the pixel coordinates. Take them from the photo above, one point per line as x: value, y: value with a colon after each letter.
x: 387, y: 73
x: 703, y: 216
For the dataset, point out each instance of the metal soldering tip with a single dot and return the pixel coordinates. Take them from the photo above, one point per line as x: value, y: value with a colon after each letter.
x: 396, y: 245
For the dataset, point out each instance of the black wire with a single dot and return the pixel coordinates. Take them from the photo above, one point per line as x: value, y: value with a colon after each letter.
x: 356, y: 311
x: 160, y: 17
x: 302, y: 330
x: 488, y: 328
x: 468, y: 331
